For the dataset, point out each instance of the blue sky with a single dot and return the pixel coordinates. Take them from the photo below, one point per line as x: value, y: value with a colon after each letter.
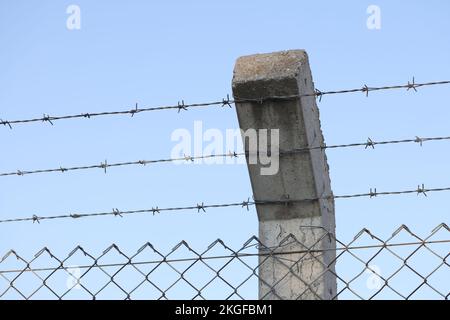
x: 157, y: 53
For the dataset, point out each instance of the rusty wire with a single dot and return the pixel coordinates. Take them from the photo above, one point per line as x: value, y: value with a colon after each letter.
x: 201, y: 206
x: 288, y: 254
x: 369, y: 144
x: 224, y: 102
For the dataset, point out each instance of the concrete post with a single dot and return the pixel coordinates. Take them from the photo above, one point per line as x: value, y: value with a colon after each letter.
x: 300, y: 175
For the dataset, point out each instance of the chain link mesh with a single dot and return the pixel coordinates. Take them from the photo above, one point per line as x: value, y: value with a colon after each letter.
x: 404, y: 266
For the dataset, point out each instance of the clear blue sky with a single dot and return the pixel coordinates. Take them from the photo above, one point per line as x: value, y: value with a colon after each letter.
x: 159, y: 53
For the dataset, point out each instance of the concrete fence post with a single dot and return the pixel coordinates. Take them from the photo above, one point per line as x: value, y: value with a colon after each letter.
x: 300, y: 176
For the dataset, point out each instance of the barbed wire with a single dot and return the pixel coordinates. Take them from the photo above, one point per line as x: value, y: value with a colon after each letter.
x: 365, y: 89
x: 370, y: 143
x: 105, y: 165
x: 46, y: 269
x: 201, y: 207
x: 224, y: 102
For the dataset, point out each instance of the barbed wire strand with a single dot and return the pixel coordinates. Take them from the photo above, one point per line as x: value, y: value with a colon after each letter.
x: 369, y: 144
x: 225, y: 102
x: 201, y: 207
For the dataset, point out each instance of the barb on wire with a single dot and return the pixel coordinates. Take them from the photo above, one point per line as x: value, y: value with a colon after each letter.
x: 5, y: 123
x: 135, y: 110
x: 46, y: 118
x: 285, y: 201
x: 227, y: 101
x: 105, y: 165
x: 201, y: 207
x: 182, y: 106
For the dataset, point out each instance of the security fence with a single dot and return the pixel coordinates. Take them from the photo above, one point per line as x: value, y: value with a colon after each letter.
x: 403, y: 266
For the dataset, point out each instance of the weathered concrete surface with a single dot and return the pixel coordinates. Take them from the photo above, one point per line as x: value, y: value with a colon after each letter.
x: 301, y: 176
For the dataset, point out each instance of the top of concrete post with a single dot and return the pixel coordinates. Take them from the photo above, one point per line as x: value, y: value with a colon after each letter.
x: 275, y: 73
x: 300, y: 176
x: 277, y: 65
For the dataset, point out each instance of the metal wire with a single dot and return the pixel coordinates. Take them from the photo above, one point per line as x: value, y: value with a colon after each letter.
x: 201, y: 207
x: 225, y: 102
x: 196, y: 273
x: 240, y: 255
x: 292, y: 260
x: 105, y: 165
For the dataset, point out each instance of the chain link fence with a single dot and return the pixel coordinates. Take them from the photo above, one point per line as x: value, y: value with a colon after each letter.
x: 403, y: 266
